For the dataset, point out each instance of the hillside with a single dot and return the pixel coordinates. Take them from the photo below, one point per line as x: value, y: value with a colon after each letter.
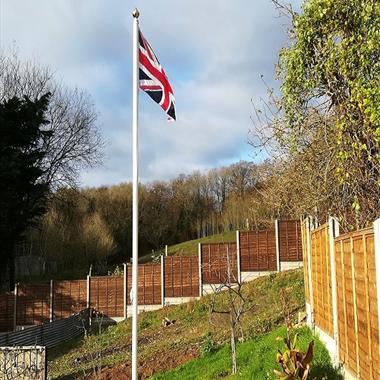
x: 192, y: 334
x: 190, y: 247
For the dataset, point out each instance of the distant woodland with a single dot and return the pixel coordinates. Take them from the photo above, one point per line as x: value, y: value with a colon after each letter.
x: 94, y: 225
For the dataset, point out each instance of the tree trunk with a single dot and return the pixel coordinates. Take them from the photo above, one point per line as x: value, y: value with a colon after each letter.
x: 233, y: 343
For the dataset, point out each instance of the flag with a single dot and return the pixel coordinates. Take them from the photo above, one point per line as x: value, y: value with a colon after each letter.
x: 153, y: 79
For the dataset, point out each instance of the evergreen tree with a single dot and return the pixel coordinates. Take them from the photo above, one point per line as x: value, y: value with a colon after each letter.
x: 22, y: 192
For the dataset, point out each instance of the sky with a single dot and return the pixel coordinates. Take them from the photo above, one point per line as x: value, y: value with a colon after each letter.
x: 214, y: 53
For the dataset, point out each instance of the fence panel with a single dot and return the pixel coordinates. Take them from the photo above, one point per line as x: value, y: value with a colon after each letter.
x: 149, y: 284
x: 6, y: 311
x: 23, y: 363
x: 321, y: 279
x: 69, y: 297
x: 181, y: 276
x: 357, y: 303
x: 258, y: 251
x: 33, y: 304
x: 215, y: 259
x: 107, y: 295
x: 290, y: 241
x: 305, y: 255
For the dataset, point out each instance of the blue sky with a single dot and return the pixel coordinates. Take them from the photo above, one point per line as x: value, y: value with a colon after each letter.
x: 213, y: 52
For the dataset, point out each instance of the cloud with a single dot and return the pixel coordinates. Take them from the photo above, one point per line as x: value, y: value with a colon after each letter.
x: 213, y: 52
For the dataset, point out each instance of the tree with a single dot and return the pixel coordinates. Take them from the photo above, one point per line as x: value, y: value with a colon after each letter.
x: 22, y: 151
x: 75, y: 142
x: 330, y: 83
x: 324, y: 128
x: 228, y: 299
x: 71, y: 141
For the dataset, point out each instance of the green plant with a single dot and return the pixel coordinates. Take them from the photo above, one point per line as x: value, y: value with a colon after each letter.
x: 209, y: 346
x: 294, y: 363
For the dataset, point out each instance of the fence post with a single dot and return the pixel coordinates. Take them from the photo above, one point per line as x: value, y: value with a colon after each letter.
x: 333, y: 233
x: 51, y: 301
x: 88, y: 289
x: 15, y: 307
x: 238, y: 256
x: 376, y: 228
x: 88, y: 298
x: 200, y: 269
x: 125, y: 287
x: 162, y: 281
x: 166, y: 250
x: 277, y: 237
x: 310, y: 268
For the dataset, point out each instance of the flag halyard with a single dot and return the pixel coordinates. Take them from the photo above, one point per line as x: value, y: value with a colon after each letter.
x: 153, y: 79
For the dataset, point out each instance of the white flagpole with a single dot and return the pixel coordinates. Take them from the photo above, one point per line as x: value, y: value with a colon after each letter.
x: 135, y: 140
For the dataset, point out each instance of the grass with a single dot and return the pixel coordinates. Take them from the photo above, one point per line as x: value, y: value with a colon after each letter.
x: 256, y: 360
x: 163, y: 348
x: 190, y: 247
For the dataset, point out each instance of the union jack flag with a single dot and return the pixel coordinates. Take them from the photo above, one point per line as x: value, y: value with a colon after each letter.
x: 153, y: 79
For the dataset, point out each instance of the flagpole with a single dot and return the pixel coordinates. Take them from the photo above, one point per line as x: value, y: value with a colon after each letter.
x: 135, y: 122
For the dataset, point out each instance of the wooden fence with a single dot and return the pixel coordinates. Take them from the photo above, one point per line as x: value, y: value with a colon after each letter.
x: 219, y: 263
x: 290, y: 241
x: 321, y: 279
x: 181, y: 277
x: 68, y: 297
x: 258, y: 251
x: 149, y: 284
x: 107, y: 295
x: 343, y: 296
x: 6, y: 311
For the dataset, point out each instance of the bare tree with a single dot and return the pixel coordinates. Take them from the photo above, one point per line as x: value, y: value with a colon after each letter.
x: 75, y: 142
x: 228, y: 299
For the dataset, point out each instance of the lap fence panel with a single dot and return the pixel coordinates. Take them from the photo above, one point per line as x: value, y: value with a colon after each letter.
x: 258, y: 250
x: 215, y: 260
x: 181, y: 276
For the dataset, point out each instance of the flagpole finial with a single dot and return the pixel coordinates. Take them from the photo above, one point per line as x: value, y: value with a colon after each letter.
x: 136, y: 13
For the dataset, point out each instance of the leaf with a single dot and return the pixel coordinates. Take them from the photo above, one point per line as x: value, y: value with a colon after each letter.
x: 309, y: 354
x: 295, y: 341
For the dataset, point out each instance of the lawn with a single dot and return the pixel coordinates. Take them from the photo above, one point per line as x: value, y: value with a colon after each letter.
x: 256, y: 360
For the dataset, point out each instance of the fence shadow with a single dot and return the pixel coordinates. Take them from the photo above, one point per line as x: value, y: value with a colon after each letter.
x: 325, y: 372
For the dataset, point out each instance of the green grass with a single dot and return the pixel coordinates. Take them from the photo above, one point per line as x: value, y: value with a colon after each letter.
x: 190, y: 247
x: 255, y: 358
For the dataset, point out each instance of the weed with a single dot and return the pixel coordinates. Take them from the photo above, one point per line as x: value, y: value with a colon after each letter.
x: 209, y: 346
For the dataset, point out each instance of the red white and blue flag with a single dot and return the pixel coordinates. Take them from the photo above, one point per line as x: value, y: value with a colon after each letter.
x: 153, y: 79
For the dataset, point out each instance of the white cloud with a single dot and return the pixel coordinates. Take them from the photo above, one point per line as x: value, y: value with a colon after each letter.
x: 213, y: 53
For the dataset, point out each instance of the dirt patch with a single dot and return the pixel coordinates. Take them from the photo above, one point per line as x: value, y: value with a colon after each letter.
x: 159, y: 361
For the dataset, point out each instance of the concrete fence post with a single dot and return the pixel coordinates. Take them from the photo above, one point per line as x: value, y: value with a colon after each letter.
x: 15, y: 307
x: 376, y: 228
x: 200, y: 269
x: 88, y: 298
x: 125, y: 294
x: 51, y: 301
x: 310, y: 313
x: 238, y: 256
x: 162, y: 281
x: 333, y: 233
x: 277, y: 237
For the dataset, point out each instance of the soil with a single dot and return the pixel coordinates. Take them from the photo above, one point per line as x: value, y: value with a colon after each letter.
x: 161, y: 361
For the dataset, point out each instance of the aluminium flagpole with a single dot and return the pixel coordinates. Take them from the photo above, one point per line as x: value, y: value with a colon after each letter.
x: 135, y: 120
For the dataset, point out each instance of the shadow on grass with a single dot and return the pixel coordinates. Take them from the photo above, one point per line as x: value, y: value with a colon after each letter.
x: 64, y: 348
x: 325, y: 372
